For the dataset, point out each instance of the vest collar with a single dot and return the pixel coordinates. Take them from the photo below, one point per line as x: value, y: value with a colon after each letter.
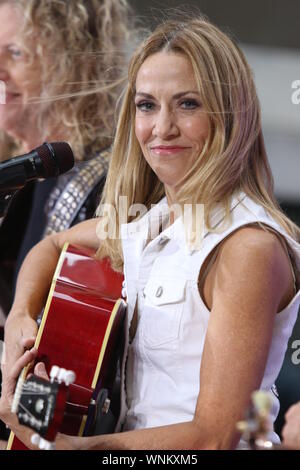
x: 149, y: 226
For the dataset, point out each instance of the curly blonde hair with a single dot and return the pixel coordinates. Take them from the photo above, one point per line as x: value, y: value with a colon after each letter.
x: 234, y: 156
x: 7, y: 146
x: 77, y: 49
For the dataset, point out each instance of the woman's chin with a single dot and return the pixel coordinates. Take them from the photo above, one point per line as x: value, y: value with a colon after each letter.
x: 10, y: 123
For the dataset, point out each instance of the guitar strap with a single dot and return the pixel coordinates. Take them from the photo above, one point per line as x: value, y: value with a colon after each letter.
x: 87, y: 176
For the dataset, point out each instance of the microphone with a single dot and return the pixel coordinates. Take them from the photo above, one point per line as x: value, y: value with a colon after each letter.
x: 50, y: 159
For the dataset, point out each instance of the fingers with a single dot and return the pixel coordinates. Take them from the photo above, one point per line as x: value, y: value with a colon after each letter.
x: 294, y: 410
x: 27, y: 343
x: 29, y: 332
x: 290, y: 435
x: 22, y: 362
x: 291, y: 430
x: 10, y: 380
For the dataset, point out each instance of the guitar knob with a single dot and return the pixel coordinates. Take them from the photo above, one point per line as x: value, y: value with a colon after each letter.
x: 54, y: 373
x: 69, y: 377
x: 40, y: 405
x: 41, y: 443
x: 46, y: 445
x: 61, y: 375
x: 35, y: 439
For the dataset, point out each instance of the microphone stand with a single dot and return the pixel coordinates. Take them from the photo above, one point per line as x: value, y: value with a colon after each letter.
x: 5, y: 200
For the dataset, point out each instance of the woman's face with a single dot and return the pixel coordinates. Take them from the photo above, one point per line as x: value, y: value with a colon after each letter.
x: 170, y: 124
x: 16, y: 118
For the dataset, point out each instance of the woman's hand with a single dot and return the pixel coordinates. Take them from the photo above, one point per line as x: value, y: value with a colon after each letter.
x: 291, y: 430
x: 9, y: 385
x: 19, y: 338
x: 8, y: 390
x: 24, y: 433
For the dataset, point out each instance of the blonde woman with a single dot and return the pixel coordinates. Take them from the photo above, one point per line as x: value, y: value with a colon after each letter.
x: 209, y: 312
x: 60, y: 62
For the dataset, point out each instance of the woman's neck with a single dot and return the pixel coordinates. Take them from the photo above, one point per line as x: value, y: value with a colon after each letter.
x: 171, y: 200
x: 31, y: 137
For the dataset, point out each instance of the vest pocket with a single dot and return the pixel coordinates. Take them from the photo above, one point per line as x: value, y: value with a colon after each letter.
x: 162, y: 312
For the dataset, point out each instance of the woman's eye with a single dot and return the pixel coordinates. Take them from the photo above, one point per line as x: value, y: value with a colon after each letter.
x: 145, y: 106
x: 189, y: 104
x: 14, y: 51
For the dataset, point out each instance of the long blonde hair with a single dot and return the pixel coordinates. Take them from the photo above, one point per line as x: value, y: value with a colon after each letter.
x: 75, y: 49
x: 234, y: 156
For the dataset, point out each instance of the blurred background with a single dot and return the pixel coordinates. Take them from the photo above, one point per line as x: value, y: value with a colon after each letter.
x: 269, y: 33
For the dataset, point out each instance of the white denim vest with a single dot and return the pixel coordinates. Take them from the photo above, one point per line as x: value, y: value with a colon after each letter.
x: 162, y: 379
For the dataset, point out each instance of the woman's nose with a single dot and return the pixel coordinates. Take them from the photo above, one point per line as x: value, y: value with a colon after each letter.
x: 165, y: 124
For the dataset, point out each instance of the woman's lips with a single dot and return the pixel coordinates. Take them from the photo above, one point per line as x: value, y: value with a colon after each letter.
x: 168, y: 149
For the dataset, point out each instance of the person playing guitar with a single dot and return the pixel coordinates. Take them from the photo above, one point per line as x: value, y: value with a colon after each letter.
x: 210, y: 262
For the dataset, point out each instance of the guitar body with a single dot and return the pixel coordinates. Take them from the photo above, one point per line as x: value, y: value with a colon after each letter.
x: 81, y: 330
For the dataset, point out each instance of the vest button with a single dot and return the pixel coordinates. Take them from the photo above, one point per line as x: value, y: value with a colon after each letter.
x: 159, y: 292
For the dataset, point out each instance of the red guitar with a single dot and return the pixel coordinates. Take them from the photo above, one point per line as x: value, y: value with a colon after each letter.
x: 81, y: 332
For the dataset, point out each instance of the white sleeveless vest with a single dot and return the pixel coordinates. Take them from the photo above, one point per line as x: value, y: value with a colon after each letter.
x: 161, y: 376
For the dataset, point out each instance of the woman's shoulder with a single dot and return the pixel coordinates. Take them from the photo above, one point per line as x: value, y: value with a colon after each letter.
x: 252, y: 240
x: 256, y: 258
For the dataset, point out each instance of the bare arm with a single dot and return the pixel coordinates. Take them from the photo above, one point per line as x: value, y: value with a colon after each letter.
x: 33, y: 285
x: 252, y: 279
